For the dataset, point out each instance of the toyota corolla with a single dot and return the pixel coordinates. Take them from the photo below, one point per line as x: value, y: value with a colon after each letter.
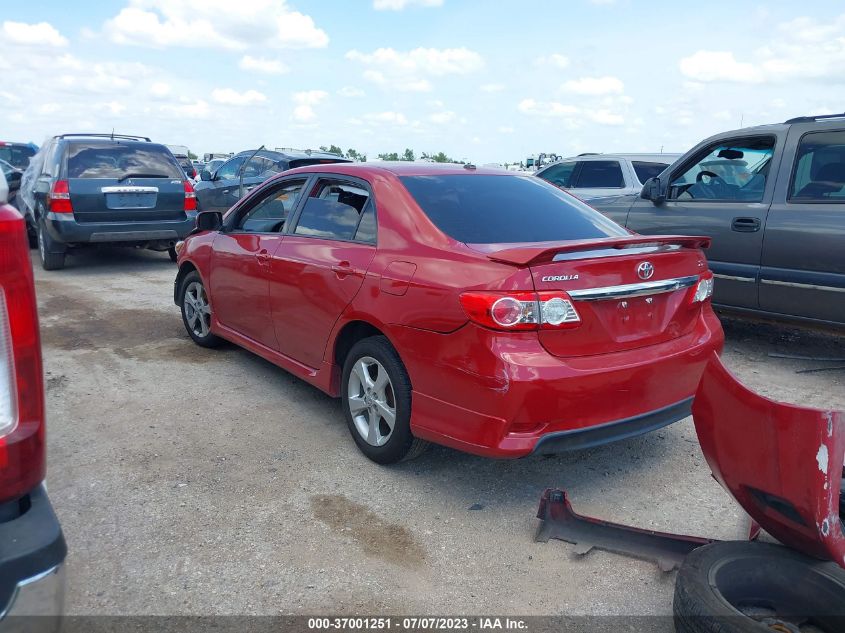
x: 479, y: 309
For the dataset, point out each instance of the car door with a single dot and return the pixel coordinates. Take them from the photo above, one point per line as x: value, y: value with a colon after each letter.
x: 241, y: 261
x: 803, y: 263
x: 722, y: 190
x: 320, y: 265
x: 215, y: 194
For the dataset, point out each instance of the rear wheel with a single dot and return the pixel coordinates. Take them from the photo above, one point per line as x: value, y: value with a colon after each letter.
x: 196, y: 311
x: 376, y: 394
x: 747, y: 587
x: 51, y: 253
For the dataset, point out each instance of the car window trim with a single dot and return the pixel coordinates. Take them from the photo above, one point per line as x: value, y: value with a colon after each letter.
x: 769, y: 181
x: 352, y: 180
x: 581, y: 164
x: 790, y: 199
x: 230, y: 223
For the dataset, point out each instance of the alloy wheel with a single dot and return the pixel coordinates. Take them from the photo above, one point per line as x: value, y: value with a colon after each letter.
x: 197, y: 309
x: 371, y: 401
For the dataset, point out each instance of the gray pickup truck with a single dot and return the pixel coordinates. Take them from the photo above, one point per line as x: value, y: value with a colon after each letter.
x: 772, y: 198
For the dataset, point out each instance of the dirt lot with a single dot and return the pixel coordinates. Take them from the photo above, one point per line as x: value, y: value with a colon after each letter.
x: 197, y: 481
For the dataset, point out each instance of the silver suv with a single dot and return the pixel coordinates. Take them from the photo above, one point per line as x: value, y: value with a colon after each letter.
x: 602, y: 175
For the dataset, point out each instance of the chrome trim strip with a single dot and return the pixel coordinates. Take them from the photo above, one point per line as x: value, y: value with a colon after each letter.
x: 634, y: 290
x: 39, y: 595
x: 735, y: 278
x: 129, y: 189
x: 795, y: 284
x: 600, y: 253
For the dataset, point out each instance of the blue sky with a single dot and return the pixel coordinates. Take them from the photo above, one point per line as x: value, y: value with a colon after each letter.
x: 483, y: 81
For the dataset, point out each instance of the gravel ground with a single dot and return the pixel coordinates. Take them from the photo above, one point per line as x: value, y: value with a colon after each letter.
x: 193, y: 481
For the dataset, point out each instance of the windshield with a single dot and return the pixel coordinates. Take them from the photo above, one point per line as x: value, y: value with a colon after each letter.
x: 17, y: 155
x: 488, y: 209
x: 115, y: 160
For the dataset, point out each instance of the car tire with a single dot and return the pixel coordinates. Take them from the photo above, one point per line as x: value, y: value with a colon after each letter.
x: 173, y: 254
x: 196, y: 311
x: 50, y: 252
x: 719, y: 589
x: 375, y: 387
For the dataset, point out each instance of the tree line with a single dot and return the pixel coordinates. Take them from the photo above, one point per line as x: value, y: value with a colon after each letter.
x: 408, y: 155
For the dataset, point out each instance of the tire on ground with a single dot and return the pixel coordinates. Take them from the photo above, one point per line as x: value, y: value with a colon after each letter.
x: 209, y: 340
x: 50, y: 252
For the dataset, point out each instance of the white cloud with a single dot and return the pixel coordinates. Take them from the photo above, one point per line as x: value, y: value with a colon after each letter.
x: 263, y: 65
x: 605, y: 117
x: 395, y: 118
x: 572, y: 115
x: 40, y: 34
x: 719, y: 66
x: 160, y: 89
x: 214, y: 24
x: 398, y: 5
x: 442, y: 117
x: 407, y: 71
x: 227, y: 96
x: 594, y: 86
x: 546, y: 108
x: 305, y: 102
x: 350, y: 92
x: 492, y: 88
x: 555, y: 59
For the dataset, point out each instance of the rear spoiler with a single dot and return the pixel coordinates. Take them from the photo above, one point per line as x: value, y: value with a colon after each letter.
x: 545, y: 251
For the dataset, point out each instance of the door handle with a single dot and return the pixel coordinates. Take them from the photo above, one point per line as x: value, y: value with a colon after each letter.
x: 745, y: 225
x: 263, y: 257
x: 345, y: 268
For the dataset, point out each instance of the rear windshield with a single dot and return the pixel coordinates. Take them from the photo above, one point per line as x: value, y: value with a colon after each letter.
x: 17, y: 155
x: 115, y: 160
x: 488, y: 209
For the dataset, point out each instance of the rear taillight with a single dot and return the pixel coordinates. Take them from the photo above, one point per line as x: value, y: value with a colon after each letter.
x: 190, y: 196
x: 703, y: 290
x: 22, y: 450
x: 59, y: 200
x: 515, y: 311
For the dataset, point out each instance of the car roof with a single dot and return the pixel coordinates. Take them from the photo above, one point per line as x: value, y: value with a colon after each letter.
x: 659, y: 157
x: 403, y: 169
x: 289, y: 154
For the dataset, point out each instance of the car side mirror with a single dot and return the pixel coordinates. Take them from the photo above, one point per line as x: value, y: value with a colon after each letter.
x: 209, y: 221
x: 205, y: 175
x: 652, y: 190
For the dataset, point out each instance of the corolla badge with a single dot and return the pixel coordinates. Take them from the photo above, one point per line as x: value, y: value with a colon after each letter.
x: 645, y: 270
x: 559, y: 278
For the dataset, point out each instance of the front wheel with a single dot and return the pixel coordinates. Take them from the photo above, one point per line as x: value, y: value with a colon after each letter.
x: 376, y: 392
x: 196, y: 311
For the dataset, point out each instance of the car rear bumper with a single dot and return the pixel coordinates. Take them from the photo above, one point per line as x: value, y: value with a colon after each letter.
x: 32, y: 565
x: 65, y: 229
x: 506, y: 396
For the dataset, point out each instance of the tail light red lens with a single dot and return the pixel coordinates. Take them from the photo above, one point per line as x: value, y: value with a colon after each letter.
x: 703, y: 290
x: 59, y: 200
x: 190, y: 196
x: 520, y: 311
x: 22, y: 449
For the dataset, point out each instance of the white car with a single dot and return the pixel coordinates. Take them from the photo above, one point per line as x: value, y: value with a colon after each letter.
x: 604, y: 175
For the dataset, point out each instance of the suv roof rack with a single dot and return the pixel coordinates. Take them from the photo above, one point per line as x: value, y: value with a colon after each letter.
x: 130, y: 137
x: 589, y: 154
x: 810, y: 119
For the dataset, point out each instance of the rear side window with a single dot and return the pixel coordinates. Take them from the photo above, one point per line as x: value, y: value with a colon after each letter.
x: 16, y: 155
x: 334, y: 211
x: 819, y: 171
x: 645, y: 171
x: 116, y: 160
x: 560, y: 174
x: 604, y: 174
x: 488, y: 209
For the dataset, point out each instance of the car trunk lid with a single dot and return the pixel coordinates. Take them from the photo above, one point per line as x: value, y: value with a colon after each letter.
x: 133, y: 199
x: 629, y: 292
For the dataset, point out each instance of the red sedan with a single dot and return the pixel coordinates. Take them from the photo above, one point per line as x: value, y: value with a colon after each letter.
x: 483, y: 310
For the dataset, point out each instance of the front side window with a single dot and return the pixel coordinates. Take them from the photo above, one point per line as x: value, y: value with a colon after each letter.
x: 229, y: 170
x: 334, y: 210
x: 488, y: 209
x: 560, y: 174
x: 645, y: 170
x: 270, y: 214
x: 600, y: 174
x: 735, y: 169
x: 115, y: 160
x: 819, y: 171
x: 17, y: 155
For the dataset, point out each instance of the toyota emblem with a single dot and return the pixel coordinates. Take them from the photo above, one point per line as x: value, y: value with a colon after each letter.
x: 645, y: 270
